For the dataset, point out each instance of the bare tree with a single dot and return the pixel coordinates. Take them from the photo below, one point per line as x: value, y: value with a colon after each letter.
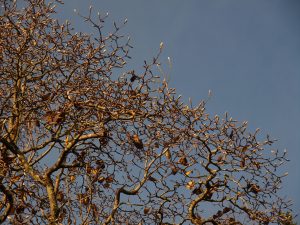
x: 83, y: 142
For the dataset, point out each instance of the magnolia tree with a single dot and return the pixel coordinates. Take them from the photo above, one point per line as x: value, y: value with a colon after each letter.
x: 84, y: 142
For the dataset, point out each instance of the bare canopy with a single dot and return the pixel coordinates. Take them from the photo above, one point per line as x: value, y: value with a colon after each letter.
x: 84, y: 141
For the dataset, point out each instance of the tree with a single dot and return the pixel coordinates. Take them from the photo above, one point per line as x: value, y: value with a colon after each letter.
x: 83, y: 142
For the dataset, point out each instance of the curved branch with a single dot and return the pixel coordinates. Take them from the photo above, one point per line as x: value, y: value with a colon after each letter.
x: 27, y: 167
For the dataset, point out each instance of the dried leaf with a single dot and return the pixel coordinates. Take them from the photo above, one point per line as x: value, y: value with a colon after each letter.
x: 137, y: 142
x: 168, y: 154
x: 190, y: 185
x: 152, y: 179
x: 174, y: 170
x: 188, y: 172
x: 109, y: 179
x: 242, y: 164
x: 101, y: 179
x: 60, y: 196
x: 146, y: 210
x: 183, y: 161
x: 95, y: 172
x: 46, y: 97
x: 72, y: 178
x: 197, y: 191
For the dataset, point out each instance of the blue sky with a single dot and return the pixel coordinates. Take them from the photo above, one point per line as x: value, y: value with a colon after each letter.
x: 246, y: 52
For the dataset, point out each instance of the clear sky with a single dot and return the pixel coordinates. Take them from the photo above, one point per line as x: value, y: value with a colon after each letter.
x: 246, y: 52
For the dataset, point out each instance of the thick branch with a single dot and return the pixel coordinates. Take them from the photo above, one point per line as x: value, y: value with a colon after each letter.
x: 10, y: 200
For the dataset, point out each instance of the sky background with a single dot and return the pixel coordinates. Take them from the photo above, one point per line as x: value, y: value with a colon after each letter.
x: 246, y: 52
